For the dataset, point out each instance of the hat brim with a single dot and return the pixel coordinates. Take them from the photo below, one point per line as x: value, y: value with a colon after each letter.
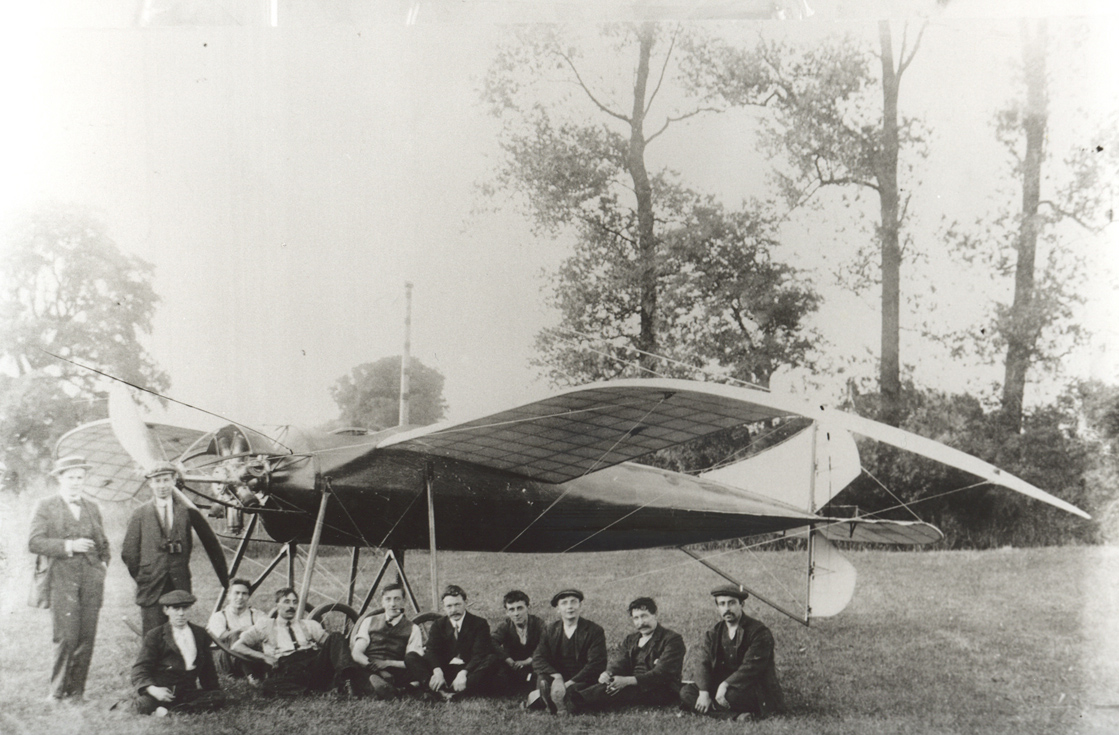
x: 59, y: 470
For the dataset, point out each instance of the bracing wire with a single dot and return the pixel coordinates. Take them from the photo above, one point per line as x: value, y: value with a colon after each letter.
x: 585, y: 472
x: 160, y: 395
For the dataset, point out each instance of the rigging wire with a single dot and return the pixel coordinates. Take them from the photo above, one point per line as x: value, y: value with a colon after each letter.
x: 794, y: 534
x: 160, y: 395
x: 562, y: 495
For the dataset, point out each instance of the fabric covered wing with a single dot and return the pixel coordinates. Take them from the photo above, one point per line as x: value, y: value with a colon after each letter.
x: 115, y: 476
x: 879, y: 531
x: 587, y: 429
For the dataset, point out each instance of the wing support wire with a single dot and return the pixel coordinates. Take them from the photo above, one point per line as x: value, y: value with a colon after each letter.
x: 801, y: 618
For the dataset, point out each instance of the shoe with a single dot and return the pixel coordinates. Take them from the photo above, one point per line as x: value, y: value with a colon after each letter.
x: 572, y: 702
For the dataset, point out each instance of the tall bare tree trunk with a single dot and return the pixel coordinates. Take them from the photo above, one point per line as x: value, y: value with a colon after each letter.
x: 889, y: 376
x: 646, y: 245
x: 1021, y: 330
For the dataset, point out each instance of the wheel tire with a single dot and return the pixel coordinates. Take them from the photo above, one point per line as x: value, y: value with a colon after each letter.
x: 336, y: 607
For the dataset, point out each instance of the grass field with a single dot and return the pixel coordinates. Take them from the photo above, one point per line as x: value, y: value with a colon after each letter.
x: 1008, y: 641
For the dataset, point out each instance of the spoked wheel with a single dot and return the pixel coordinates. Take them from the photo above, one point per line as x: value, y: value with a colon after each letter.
x: 335, y: 617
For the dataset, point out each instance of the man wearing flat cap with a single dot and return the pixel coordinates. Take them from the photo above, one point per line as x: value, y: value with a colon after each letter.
x: 73, y: 554
x: 570, y: 657
x: 174, y: 671
x: 736, y: 673
x: 157, y: 545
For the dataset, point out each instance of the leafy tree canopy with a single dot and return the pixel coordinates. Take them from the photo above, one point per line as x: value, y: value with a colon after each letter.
x: 658, y: 269
x: 67, y: 289
x: 369, y: 396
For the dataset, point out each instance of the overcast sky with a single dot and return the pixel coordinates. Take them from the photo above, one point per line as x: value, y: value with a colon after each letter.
x: 287, y: 181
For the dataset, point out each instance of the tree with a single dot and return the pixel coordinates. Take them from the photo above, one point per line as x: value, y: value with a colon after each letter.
x: 833, y: 133
x: 67, y: 289
x: 1031, y: 242
x: 370, y: 395
x: 658, y: 270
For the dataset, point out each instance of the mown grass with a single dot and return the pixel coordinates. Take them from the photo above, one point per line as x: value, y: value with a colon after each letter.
x: 1009, y: 641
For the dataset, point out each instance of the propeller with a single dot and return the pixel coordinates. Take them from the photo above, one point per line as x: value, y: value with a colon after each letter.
x: 133, y: 434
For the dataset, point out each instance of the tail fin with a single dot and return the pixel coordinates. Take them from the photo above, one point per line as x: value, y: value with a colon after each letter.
x: 831, y: 579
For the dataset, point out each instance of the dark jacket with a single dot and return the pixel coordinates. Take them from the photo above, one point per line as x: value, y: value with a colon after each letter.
x: 507, y: 644
x: 590, y: 641
x: 473, y: 645
x: 51, y: 527
x: 161, y: 664
x: 146, y: 551
x: 753, y: 663
x: 662, y: 659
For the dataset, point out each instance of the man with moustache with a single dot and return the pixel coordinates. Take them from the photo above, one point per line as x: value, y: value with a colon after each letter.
x: 459, y: 657
x: 570, y: 657
x: 646, y: 669
x: 303, y: 656
x: 736, y: 663
x: 69, y: 537
x: 381, y: 643
x: 174, y: 671
x: 514, y: 640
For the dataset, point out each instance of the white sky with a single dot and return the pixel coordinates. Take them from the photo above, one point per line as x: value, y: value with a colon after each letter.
x: 286, y: 182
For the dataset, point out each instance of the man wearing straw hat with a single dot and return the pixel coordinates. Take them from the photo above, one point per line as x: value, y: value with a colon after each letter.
x: 69, y: 537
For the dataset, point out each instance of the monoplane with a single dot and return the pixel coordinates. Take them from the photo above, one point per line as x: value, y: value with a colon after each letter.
x: 549, y: 476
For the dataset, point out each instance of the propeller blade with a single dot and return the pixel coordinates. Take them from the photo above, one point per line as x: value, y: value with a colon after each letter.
x: 210, y: 542
x: 133, y: 434
x: 130, y: 429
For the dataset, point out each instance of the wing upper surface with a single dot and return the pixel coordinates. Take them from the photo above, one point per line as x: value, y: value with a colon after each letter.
x: 589, y: 428
x: 584, y: 429
x: 114, y: 476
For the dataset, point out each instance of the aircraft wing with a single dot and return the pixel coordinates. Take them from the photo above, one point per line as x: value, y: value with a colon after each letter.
x: 115, y: 475
x: 585, y: 429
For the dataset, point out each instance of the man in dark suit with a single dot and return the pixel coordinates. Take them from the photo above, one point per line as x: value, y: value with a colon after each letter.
x: 174, y: 671
x: 737, y: 663
x: 67, y: 534
x: 157, y: 546
x: 458, y: 658
x: 647, y: 668
x: 514, y: 640
x: 570, y: 657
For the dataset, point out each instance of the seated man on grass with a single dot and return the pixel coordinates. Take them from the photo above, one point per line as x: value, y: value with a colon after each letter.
x: 647, y: 668
x: 458, y: 658
x: 737, y: 675
x: 303, y: 656
x: 382, y: 641
x: 570, y: 657
x: 227, y: 625
x: 514, y: 640
x: 174, y: 671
